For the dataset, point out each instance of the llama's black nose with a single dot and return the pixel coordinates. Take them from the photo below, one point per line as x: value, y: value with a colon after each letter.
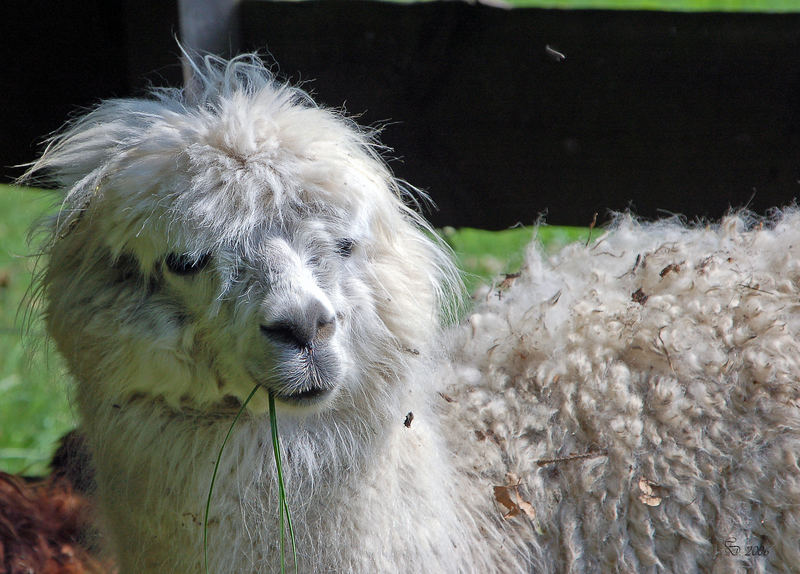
x: 302, y: 328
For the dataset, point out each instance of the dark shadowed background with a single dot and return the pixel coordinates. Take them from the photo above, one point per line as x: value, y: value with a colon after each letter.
x: 659, y: 112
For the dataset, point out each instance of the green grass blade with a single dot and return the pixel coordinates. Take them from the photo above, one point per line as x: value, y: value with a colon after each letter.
x: 214, y: 475
x: 284, y: 507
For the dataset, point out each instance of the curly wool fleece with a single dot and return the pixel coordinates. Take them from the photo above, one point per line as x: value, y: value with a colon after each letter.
x: 641, y: 393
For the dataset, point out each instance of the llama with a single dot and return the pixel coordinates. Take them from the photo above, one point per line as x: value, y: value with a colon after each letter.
x: 627, y: 405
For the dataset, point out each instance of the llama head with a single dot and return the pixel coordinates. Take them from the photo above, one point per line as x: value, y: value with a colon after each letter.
x: 234, y: 234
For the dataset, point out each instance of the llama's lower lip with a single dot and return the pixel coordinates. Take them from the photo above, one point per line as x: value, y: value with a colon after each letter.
x: 306, y: 396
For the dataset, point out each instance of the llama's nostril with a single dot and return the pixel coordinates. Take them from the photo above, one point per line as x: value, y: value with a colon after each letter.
x: 325, y: 327
x: 305, y: 330
x: 284, y: 332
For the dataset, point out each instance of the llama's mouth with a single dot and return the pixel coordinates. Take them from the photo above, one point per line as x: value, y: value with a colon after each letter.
x: 303, y: 378
x: 311, y: 395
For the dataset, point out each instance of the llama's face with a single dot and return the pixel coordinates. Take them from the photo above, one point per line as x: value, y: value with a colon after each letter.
x: 295, y: 305
x: 260, y: 243
x: 292, y: 311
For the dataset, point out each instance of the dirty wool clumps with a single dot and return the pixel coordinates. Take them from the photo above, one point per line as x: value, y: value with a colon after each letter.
x: 637, y: 398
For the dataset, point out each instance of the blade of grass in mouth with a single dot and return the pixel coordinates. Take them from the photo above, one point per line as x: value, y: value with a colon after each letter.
x: 284, y: 507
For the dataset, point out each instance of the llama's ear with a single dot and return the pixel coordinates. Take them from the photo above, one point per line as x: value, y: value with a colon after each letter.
x: 71, y: 163
x: 99, y: 143
x: 69, y: 217
x: 85, y: 159
x: 74, y: 165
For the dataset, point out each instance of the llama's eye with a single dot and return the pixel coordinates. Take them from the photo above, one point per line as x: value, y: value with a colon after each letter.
x: 182, y: 264
x: 344, y: 247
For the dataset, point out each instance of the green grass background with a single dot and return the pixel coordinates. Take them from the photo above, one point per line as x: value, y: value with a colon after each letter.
x: 34, y: 406
x: 34, y: 410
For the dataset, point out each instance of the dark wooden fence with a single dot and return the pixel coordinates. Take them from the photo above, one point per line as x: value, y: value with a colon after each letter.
x: 659, y: 112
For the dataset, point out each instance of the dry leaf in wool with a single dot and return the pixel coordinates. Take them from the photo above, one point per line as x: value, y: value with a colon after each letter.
x: 649, y: 492
x: 508, y: 496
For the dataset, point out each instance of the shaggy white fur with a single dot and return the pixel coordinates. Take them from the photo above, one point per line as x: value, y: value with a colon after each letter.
x: 641, y: 393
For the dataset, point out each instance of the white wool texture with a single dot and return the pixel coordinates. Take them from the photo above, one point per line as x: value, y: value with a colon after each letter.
x: 643, y: 392
x: 630, y: 405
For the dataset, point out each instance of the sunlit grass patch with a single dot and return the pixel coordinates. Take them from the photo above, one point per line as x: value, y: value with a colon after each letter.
x: 34, y: 410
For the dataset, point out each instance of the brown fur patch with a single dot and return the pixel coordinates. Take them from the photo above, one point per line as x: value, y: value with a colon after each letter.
x: 44, y: 526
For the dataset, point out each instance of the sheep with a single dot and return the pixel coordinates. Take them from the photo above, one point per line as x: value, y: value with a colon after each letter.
x: 630, y: 404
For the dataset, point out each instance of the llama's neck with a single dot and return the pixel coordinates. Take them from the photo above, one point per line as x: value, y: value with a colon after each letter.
x: 365, y: 493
